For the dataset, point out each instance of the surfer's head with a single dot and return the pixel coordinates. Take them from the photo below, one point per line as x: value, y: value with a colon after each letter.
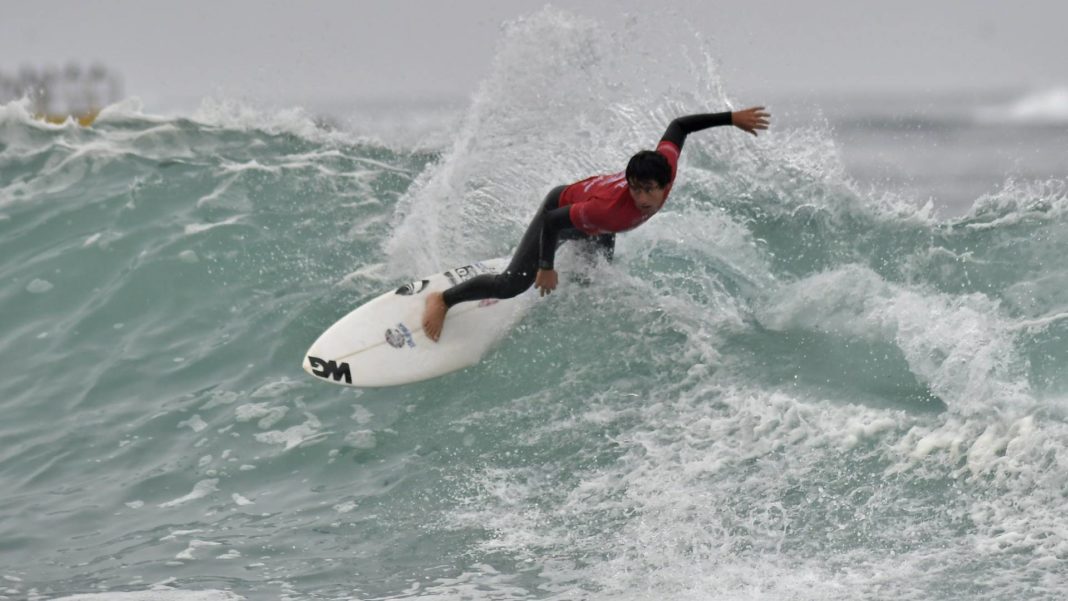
x: 649, y: 165
x: 648, y: 174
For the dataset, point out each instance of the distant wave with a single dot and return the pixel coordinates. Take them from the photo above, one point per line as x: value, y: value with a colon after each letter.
x: 1039, y: 107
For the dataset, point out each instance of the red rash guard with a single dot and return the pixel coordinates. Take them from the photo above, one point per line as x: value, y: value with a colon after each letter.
x: 603, y: 204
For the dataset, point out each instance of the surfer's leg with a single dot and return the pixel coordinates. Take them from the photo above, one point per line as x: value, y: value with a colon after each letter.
x: 516, y: 278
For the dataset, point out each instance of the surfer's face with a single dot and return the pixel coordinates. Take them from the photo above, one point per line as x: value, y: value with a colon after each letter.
x: 647, y: 194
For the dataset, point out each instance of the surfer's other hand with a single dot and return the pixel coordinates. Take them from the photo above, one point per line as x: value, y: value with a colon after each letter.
x: 545, y: 281
x: 751, y: 120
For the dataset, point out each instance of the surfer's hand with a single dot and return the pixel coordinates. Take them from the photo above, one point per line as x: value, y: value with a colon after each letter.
x: 545, y: 280
x: 750, y: 119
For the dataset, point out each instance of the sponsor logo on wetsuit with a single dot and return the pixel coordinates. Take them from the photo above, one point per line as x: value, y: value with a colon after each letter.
x: 399, y: 336
x: 412, y: 288
x: 330, y: 369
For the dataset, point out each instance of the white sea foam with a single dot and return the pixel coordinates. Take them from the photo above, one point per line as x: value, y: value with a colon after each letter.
x: 305, y: 434
x: 232, y: 114
x: 200, y: 490
x: 361, y: 439
x: 252, y: 165
x: 239, y: 500
x: 361, y: 414
x: 196, y: 228
x: 228, y: 195
x: 178, y: 533
x: 194, y: 423
x: 39, y: 286
x: 705, y: 520
x: 218, y: 398
x: 345, y: 507
x: 267, y: 415
x: 275, y: 388
x: 129, y: 108
x: 193, y: 546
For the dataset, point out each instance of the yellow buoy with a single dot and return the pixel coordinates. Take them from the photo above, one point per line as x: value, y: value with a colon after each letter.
x: 84, y: 119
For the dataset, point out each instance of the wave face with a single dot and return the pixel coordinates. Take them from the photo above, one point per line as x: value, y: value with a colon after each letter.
x: 785, y: 387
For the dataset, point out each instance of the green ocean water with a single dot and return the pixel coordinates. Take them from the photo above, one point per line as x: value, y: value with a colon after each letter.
x: 785, y: 386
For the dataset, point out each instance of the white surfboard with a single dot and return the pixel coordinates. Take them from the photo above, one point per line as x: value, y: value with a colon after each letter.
x: 382, y: 343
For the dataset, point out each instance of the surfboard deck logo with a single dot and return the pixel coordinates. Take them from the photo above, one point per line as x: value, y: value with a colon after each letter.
x: 412, y: 288
x: 400, y: 335
x: 394, y: 338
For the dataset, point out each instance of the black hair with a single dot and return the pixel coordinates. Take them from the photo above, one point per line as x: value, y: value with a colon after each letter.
x: 649, y: 165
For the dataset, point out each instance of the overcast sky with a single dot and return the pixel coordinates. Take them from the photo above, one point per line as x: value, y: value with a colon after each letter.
x: 174, y: 53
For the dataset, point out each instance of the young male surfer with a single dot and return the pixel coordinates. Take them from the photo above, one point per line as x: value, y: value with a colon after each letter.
x: 595, y: 208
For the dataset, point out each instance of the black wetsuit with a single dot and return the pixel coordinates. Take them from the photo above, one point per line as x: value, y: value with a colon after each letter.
x: 552, y: 225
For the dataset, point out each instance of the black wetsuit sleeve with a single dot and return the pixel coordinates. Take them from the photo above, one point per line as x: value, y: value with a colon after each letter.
x: 682, y: 126
x: 556, y: 220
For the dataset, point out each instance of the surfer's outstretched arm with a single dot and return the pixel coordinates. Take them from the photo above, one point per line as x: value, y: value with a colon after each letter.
x: 749, y: 120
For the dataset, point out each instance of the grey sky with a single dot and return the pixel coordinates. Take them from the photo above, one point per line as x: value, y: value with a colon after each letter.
x: 173, y: 54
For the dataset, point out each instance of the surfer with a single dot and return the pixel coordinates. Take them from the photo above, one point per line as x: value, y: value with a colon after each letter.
x: 594, y: 209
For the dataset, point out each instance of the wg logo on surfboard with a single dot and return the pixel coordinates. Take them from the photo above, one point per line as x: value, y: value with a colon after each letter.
x: 330, y: 369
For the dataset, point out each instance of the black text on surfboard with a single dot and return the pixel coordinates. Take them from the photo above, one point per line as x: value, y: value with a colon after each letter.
x: 330, y: 369
x: 466, y: 272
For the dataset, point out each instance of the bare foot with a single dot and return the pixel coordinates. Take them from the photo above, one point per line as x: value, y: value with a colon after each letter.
x: 434, y: 315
